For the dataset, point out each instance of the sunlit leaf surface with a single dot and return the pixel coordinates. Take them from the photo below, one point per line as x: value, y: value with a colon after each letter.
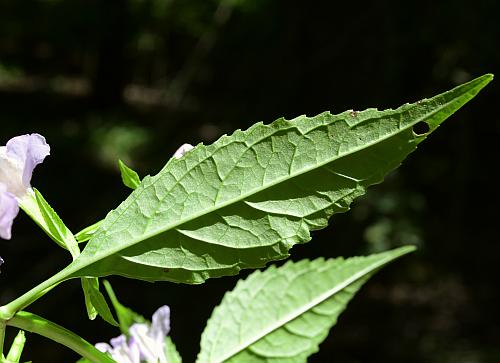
x: 282, y: 314
x: 248, y: 198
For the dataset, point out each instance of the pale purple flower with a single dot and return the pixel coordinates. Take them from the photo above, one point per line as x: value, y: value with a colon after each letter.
x: 146, y: 342
x: 18, y: 158
x: 121, y: 350
x: 8, y: 211
x: 184, y: 148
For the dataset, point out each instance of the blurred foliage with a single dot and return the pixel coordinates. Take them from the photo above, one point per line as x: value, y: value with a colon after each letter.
x: 134, y: 79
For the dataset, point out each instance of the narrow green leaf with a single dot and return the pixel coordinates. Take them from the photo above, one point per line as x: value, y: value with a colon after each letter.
x: 57, y: 230
x: 88, y: 284
x: 87, y: 233
x: 16, y: 348
x: 29, y: 204
x: 99, y: 302
x: 281, y: 315
x: 129, y: 177
x: 61, y: 234
x: 126, y: 317
x: 248, y: 198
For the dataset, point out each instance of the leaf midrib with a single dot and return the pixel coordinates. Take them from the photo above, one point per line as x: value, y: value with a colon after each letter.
x: 111, y: 251
x: 313, y: 303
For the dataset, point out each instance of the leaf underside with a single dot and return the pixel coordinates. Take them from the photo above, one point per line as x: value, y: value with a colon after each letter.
x: 248, y: 198
x: 281, y: 315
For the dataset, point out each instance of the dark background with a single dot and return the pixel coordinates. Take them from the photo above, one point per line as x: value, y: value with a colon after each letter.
x: 103, y: 80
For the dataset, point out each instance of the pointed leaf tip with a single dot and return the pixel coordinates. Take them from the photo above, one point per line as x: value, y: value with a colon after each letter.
x: 282, y: 314
x: 129, y: 177
x: 249, y: 197
x: 483, y: 80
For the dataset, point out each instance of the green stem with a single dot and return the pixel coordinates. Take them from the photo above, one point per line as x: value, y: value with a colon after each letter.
x: 8, y: 311
x: 2, y: 337
x: 36, y: 324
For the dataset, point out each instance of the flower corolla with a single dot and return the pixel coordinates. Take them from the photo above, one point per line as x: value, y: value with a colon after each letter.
x: 146, y: 342
x: 18, y: 159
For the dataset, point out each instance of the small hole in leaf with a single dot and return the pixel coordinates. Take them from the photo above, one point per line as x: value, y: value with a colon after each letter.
x: 421, y: 128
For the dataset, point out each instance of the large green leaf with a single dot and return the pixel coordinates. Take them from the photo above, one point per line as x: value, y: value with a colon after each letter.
x: 249, y: 197
x: 281, y: 315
